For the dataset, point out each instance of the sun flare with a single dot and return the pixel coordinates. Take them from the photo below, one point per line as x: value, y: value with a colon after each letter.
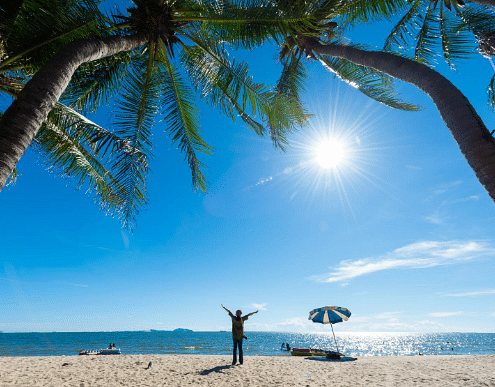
x: 330, y: 153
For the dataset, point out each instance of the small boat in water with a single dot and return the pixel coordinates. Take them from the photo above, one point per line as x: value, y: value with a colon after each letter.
x: 103, y: 351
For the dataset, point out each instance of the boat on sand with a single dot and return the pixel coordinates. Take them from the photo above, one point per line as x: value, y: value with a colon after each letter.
x: 315, y: 352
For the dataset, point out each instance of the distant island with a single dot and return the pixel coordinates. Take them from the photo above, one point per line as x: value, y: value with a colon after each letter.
x: 175, y: 330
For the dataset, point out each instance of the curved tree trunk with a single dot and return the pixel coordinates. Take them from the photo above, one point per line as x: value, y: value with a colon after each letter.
x: 484, y: 2
x: 23, y: 118
x: 466, y: 126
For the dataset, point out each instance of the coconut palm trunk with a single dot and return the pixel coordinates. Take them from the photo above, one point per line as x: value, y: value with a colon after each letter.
x: 474, y: 140
x: 484, y: 2
x: 23, y: 118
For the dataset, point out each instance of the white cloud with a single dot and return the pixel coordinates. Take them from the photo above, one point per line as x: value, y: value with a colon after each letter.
x: 434, y: 218
x: 479, y: 293
x: 386, y: 315
x: 461, y: 200
x: 446, y: 314
x: 414, y: 256
x: 259, y: 306
x: 439, y: 191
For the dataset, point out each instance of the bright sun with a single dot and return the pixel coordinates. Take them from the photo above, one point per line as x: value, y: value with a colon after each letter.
x: 330, y: 153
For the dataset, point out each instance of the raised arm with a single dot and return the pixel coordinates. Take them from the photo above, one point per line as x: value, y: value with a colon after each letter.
x: 250, y: 314
x: 228, y: 311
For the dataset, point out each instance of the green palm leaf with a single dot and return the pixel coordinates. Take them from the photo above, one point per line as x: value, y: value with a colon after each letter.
x: 226, y: 85
x: 401, y: 34
x: 477, y: 19
x: 427, y: 28
x: 245, y: 24
x: 78, y: 148
x: 370, y: 82
x: 95, y: 83
x: 134, y: 118
x: 426, y: 39
x: 182, y: 119
x: 457, y: 44
x: 287, y: 101
x: 359, y: 11
x: 42, y: 28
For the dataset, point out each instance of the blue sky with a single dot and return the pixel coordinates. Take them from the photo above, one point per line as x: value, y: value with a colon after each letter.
x: 401, y: 233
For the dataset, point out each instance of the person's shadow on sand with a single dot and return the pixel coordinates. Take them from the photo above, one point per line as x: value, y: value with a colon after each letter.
x: 218, y: 369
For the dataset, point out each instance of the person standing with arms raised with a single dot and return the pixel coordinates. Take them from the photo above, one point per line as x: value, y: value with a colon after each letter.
x: 238, y: 332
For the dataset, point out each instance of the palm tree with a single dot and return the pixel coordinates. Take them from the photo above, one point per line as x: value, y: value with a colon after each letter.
x: 431, y: 28
x: 137, y: 55
x: 67, y: 142
x: 454, y: 26
x: 465, y: 125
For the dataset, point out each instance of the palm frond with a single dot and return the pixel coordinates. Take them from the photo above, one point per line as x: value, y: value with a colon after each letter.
x: 222, y: 87
x: 243, y: 24
x: 370, y: 82
x: 359, y: 11
x: 402, y: 34
x: 457, y: 43
x: 12, y: 180
x: 292, y: 79
x: 222, y: 82
x: 94, y: 83
x: 182, y: 119
x: 42, y: 28
x: 287, y: 101
x: 248, y: 24
x: 228, y: 86
x: 426, y: 40
x: 134, y: 118
x: 477, y: 18
x: 77, y: 148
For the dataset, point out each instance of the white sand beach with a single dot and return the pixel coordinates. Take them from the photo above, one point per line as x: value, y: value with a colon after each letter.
x: 183, y: 370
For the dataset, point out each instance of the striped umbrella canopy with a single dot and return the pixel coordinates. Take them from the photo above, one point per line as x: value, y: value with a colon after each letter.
x: 330, y: 315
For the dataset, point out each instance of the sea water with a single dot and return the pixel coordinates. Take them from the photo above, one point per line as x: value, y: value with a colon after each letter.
x: 258, y: 343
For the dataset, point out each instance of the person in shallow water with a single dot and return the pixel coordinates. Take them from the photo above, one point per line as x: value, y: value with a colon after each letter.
x: 238, y: 332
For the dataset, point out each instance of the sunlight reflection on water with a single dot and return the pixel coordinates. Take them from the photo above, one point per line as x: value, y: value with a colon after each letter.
x: 258, y: 343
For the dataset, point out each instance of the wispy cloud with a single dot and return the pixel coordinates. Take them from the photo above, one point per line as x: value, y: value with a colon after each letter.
x: 14, y: 280
x: 259, y: 306
x: 434, y: 218
x: 418, y: 255
x: 446, y: 314
x: 462, y: 200
x: 468, y: 294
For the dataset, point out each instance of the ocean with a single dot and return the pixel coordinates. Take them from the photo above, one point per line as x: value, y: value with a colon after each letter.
x: 258, y: 343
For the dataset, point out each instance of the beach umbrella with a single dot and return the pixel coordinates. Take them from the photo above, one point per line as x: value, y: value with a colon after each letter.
x: 330, y: 315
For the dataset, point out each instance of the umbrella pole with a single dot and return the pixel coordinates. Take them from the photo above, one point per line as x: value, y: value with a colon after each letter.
x: 334, y: 338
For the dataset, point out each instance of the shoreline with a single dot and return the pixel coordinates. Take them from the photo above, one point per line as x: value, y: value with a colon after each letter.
x: 215, y: 370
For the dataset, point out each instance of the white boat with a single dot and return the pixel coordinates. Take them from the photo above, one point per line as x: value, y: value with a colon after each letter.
x: 103, y: 351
